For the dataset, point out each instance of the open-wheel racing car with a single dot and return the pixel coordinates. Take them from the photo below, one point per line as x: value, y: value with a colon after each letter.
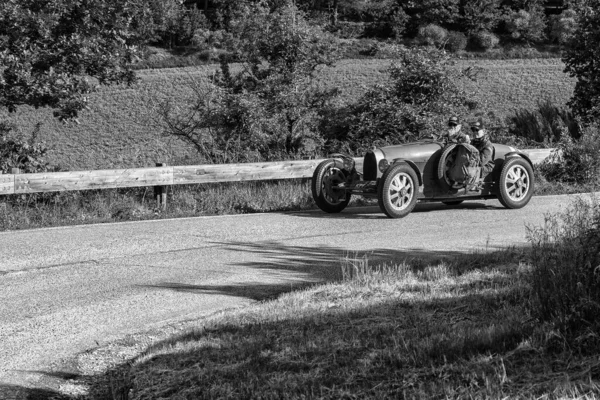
x: 399, y: 176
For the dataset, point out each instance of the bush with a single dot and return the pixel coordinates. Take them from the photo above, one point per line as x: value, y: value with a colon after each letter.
x: 456, y: 41
x: 548, y: 124
x: 576, y: 161
x: 527, y: 25
x: 485, y: 40
x: 563, y: 26
x: 566, y: 271
x: 421, y: 93
x: 18, y: 152
x: 432, y: 35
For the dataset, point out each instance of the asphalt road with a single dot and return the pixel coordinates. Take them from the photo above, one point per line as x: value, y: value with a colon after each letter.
x: 66, y: 290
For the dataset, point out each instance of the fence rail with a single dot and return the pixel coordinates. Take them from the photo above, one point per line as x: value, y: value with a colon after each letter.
x: 165, y: 176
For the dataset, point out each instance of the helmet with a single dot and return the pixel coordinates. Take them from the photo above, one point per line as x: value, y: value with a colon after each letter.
x: 476, y: 126
x: 453, y: 121
x: 477, y: 129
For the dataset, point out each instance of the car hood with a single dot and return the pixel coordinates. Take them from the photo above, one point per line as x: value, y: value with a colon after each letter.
x: 417, y: 151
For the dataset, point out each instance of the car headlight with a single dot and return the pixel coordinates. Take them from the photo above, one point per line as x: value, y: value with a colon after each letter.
x: 383, y: 165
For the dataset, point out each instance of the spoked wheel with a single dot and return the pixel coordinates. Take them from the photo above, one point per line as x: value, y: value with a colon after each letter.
x: 397, y: 193
x: 324, y: 186
x: 516, y: 183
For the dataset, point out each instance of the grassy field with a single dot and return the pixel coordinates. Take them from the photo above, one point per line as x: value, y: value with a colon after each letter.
x: 120, y: 130
x: 444, y: 327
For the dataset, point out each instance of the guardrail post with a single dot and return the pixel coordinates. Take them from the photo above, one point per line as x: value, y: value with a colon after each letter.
x: 160, y: 193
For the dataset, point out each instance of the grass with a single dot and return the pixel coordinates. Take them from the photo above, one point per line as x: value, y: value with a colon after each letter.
x: 458, y: 327
x: 120, y: 129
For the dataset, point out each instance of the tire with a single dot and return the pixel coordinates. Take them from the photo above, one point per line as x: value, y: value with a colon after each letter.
x: 442, y: 166
x: 515, y: 183
x: 452, y: 202
x: 325, y: 176
x: 398, y: 190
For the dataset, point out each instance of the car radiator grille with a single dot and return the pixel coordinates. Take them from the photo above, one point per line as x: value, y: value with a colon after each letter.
x: 370, y: 167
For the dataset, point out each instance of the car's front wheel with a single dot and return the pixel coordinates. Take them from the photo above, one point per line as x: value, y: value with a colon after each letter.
x: 324, y: 187
x: 515, y: 183
x: 397, y: 192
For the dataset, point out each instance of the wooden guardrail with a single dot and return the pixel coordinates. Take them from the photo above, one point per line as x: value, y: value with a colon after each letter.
x: 165, y: 176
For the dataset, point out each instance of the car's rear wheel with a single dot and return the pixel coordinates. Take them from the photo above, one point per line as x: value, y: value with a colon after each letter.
x: 452, y: 202
x: 397, y: 192
x: 324, y: 187
x: 515, y: 183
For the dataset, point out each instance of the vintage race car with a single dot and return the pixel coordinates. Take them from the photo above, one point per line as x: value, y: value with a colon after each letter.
x: 400, y: 176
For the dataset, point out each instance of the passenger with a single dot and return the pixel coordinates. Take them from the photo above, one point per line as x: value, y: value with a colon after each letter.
x: 454, y: 133
x: 482, y: 143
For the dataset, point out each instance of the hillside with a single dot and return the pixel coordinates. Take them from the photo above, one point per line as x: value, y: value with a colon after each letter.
x: 119, y: 130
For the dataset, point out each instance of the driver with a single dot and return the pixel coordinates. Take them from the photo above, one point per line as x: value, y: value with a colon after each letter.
x: 482, y: 143
x: 454, y: 134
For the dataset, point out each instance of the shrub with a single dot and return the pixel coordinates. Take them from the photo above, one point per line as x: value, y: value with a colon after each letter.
x: 547, y: 124
x: 566, y: 271
x: 485, y: 40
x: 415, y: 103
x: 18, y: 152
x: 432, y: 35
x: 563, y: 26
x: 527, y: 25
x: 456, y: 41
x: 576, y: 161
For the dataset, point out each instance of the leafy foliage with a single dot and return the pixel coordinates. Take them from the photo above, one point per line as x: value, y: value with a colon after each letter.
x: 432, y: 35
x: 480, y: 15
x: 485, y: 40
x: 48, y: 49
x: 582, y: 60
x: 456, y: 41
x: 168, y: 22
x: 17, y: 152
x: 415, y: 103
x: 563, y: 26
x: 527, y: 25
x: 576, y: 161
x: 267, y: 108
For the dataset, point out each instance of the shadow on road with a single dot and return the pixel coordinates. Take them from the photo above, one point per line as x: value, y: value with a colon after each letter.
x: 309, y: 266
x: 373, y: 212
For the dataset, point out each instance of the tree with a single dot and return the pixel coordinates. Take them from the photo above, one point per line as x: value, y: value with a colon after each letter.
x: 582, y: 60
x: 51, y: 50
x: 266, y: 106
x: 480, y: 15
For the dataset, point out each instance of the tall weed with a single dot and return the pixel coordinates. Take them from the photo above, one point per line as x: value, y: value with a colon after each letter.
x: 566, y: 269
x: 546, y: 124
x: 575, y: 161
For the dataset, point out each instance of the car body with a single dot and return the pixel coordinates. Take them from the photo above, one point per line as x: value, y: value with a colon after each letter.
x: 400, y: 176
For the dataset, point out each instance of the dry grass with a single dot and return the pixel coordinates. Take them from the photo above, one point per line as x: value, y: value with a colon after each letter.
x: 457, y: 328
x: 120, y: 131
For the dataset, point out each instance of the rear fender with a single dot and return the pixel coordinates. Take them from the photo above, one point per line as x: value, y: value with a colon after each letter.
x: 413, y: 166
